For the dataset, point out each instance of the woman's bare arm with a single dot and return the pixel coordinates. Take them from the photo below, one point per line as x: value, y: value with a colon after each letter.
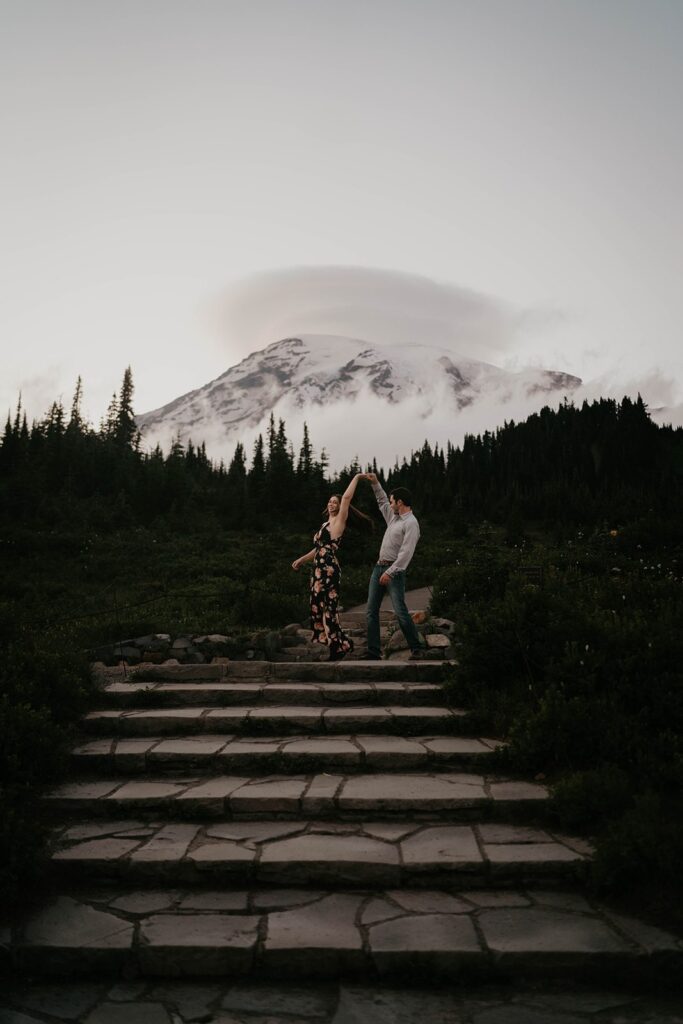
x: 308, y: 557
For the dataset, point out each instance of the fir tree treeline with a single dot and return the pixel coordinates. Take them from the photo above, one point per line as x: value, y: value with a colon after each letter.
x: 566, y: 465
x: 604, y: 459
x: 61, y: 469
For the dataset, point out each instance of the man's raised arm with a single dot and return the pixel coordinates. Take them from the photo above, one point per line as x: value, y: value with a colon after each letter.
x: 381, y: 497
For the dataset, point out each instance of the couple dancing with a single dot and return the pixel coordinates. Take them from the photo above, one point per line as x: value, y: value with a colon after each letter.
x: 398, y: 545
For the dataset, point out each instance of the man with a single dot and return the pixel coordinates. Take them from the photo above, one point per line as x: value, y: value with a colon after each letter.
x: 398, y: 546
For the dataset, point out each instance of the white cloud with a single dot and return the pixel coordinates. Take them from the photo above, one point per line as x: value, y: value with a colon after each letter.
x: 384, y: 307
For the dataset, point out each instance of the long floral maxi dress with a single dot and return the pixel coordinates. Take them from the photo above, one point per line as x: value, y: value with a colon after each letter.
x: 325, y: 594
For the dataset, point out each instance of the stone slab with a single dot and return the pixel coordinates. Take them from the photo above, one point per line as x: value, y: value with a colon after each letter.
x: 210, y: 798
x: 523, y: 934
x: 319, y: 798
x: 77, y: 792
x: 306, y: 718
x: 423, y: 901
x: 185, y: 750
x: 215, y: 901
x: 67, y: 1002
x: 197, y: 944
x: 270, y: 1000
x: 452, y: 746
x: 69, y: 923
x: 340, y: 751
x: 222, y: 858
x: 68, y: 937
x: 97, y: 852
x: 333, y: 859
x: 167, y: 847
x: 316, y: 939
x: 254, y: 831
x: 406, y: 793
x: 129, y: 1013
x: 438, y: 945
x: 142, y: 903
x: 276, y: 797
x: 145, y: 794
x: 503, y: 833
x: 447, y: 847
x: 132, y: 754
x: 386, y: 751
x: 531, y: 856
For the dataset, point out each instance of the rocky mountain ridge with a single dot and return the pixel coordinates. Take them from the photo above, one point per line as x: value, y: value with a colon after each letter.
x: 302, y: 373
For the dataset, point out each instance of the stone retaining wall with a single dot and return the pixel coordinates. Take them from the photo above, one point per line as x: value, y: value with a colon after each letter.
x: 262, y: 645
x: 157, y: 648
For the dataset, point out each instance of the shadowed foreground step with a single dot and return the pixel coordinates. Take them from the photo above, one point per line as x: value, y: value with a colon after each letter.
x: 450, y: 795
x: 306, y: 933
x: 317, y: 853
x: 255, y: 1001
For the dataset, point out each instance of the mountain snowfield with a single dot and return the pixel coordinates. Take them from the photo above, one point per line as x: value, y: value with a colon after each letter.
x: 358, y: 399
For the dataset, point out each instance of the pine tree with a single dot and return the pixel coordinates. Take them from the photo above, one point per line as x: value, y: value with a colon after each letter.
x: 109, y: 423
x: 76, y: 419
x: 304, y: 467
x: 125, y: 430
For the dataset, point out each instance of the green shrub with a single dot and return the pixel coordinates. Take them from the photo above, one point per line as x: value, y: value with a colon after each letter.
x: 582, y: 800
x: 44, y: 689
x: 584, y: 677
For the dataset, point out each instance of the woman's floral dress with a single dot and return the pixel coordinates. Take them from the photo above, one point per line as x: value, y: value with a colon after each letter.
x: 325, y: 594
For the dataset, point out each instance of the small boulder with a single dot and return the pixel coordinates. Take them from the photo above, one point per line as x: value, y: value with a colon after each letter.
x: 182, y: 643
x: 397, y: 641
x: 437, y: 640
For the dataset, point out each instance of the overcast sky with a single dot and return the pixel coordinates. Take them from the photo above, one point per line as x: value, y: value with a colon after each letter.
x: 177, y: 177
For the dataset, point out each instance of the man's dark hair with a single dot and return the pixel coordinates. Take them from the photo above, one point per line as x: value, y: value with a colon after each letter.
x: 402, y: 494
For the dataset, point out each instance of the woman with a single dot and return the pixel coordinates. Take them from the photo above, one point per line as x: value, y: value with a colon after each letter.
x: 327, y: 574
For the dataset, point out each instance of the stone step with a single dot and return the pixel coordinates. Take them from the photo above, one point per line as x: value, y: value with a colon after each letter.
x: 226, y: 694
x: 289, y: 754
x: 275, y: 721
x: 413, y: 935
x: 375, y: 1001
x: 423, y: 671
x: 445, y: 795
x: 302, y: 652
x: 304, y: 853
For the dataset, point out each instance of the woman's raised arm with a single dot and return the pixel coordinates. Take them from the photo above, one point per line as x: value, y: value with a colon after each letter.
x: 338, y: 524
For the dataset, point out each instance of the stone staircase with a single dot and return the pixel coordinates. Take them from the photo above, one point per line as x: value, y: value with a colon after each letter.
x: 308, y: 820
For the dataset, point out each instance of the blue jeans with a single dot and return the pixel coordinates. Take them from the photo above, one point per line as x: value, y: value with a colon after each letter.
x: 397, y: 591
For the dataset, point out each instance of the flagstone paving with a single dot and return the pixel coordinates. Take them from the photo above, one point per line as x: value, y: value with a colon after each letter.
x: 215, y: 753
x: 443, y: 794
x: 328, y: 933
x: 267, y: 1002
x: 287, y: 719
x: 317, y: 852
x: 312, y: 821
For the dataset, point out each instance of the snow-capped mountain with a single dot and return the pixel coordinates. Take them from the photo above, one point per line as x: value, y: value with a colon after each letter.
x: 352, y: 386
